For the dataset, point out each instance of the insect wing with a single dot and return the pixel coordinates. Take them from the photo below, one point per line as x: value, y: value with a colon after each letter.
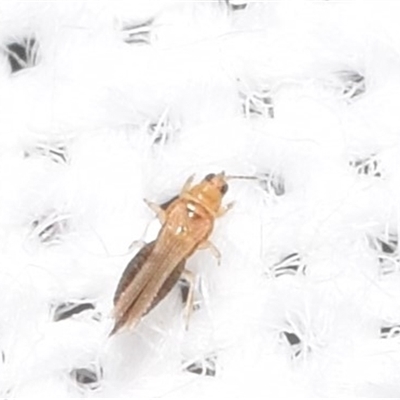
x: 131, y: 271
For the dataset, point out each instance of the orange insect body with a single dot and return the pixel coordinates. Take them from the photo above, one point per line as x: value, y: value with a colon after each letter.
x: 187, y: 223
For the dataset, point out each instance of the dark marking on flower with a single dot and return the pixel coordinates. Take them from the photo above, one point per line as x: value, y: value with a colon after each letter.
x: 236, y: 5
x: 386, y: 247
x: 54, y: 151
x: 257, y: 104
x: 162, y: 130
x: 50, y: 228
x: 369, y: 166
x: 352, y: 83
x: 390, y: 331
x: 291, y: 264
x: 205, y: 367
x: 272, y: 184
x: 138, y: 32
x: 294, y: 341
x: 68, y: 309
x: 88, y: 377
x: 22, y: 53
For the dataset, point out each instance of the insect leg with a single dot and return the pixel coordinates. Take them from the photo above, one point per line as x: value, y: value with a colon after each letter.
x: 190, y: 277
x: 214, y: 250
x: 223, y: 210
x: 136, y: 243
x: 157, y: 209
x: 188, y: 184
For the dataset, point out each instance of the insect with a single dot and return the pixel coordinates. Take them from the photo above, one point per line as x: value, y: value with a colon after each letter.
x: 187, y: 223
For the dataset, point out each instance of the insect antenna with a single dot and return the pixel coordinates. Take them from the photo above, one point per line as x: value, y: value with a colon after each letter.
x: 241, y: 177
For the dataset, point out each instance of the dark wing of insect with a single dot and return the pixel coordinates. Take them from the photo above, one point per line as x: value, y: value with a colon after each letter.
x: 131, y: 271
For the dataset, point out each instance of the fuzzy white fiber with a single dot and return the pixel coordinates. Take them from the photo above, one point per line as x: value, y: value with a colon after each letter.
x: 105, y: 103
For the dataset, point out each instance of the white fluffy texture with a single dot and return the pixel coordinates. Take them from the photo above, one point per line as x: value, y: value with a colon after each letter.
x: 100, y: 98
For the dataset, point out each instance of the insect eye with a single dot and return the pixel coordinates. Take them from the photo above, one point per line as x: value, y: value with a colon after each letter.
x: 209, y: 177
x: 224, y: 188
